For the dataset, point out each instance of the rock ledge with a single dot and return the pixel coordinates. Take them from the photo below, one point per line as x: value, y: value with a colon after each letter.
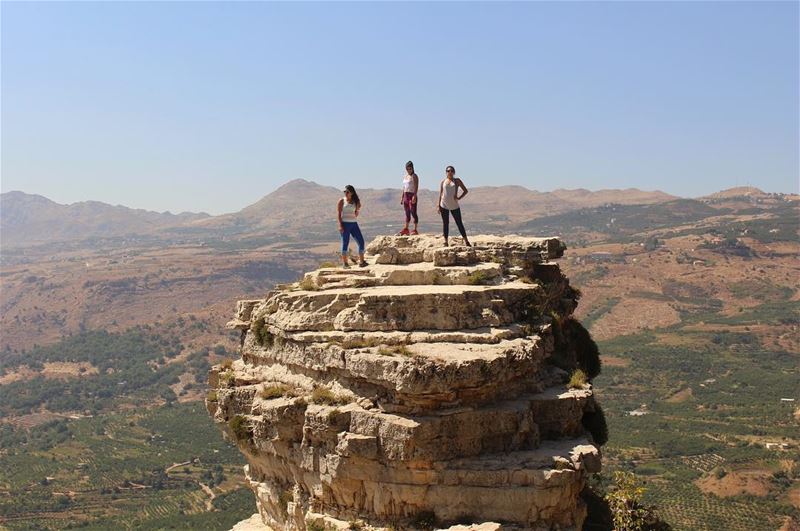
x: 425, y: 390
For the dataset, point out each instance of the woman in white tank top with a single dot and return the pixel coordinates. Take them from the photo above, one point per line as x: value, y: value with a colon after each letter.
x: 347, y: 210
x: 448, y: 203
x: 408, y: 198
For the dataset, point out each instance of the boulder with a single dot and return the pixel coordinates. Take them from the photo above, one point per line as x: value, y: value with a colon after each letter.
x: 425, y: 390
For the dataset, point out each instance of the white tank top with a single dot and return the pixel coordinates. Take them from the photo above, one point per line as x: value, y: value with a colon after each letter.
x: 408, y: 183
x: 348, y: 211
x: 449, y: 200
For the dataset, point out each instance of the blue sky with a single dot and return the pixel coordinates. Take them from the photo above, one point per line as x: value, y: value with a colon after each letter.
x: 209, y: 106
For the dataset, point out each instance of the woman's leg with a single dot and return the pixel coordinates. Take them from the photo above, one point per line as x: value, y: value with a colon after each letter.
x: 407, y: 209
x: 445, y: 222
x: 346, y: 240
x: 413, y: 208
x: 457, y: 216
x: 360, y: 240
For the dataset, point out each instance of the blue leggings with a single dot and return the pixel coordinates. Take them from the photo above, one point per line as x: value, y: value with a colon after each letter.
x: 351, y: 227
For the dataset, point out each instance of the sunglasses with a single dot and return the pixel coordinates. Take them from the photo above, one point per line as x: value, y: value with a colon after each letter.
x: 450, y: 171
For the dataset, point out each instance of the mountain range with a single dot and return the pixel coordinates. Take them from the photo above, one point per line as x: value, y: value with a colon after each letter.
x: 27, y: 219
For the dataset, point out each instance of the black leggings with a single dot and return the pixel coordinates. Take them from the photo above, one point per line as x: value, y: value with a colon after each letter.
x: 446, y: 222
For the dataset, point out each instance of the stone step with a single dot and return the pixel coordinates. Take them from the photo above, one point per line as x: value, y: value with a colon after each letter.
x: 422, y: 273
x: 282, y: 422
x: 510, y: 250
x: 539, y: 467
x: 386, y: 308
x: 396, y: 338
x: 412, y: 377
x: 504, y: 426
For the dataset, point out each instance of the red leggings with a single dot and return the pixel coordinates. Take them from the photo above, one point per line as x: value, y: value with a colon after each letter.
x: 410, y: 206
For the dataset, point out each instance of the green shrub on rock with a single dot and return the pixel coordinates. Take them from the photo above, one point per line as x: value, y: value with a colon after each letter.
x: 479, y: 277
x: 627, y: 509
x: 261, y: 333
x: 240, y: 428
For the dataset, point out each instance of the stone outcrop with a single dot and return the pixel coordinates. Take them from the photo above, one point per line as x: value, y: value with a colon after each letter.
x: 428, y: 389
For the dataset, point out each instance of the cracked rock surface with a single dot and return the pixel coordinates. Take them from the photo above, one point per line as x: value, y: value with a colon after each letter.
x: 428, y: 389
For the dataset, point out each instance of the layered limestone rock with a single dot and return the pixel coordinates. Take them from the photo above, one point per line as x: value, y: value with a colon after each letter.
x: 427, y: 389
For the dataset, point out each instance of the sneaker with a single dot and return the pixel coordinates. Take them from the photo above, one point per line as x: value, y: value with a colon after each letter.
x: 345, y: 266
x: 363, y: 263
x: 403, y: 232
x: 414, y: 232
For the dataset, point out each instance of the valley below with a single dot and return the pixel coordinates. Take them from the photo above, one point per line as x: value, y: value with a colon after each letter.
x: 106, y: 343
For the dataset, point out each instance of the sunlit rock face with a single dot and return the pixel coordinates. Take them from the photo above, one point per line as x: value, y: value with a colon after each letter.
x: 428, y: 389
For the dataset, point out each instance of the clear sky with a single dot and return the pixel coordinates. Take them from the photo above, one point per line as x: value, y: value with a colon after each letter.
x: 210, y: 106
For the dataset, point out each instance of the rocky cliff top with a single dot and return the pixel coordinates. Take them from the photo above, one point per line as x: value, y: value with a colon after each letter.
x: 426, y: 389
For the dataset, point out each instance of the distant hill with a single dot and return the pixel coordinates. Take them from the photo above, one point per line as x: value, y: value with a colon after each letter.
x: 739, y: 191
x: 300, y: 204
x: 31, y: 219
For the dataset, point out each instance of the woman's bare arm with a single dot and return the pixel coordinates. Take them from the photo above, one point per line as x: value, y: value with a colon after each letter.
x: 339, y: 214
x: 416, y: 187
x: 460, y: 183
x: 441, y: 191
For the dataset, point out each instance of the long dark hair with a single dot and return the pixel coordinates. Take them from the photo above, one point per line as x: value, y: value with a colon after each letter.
x: 353, y: 195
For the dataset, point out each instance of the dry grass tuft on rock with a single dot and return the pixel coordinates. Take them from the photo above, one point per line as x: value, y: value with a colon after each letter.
x: 577, y: 380
x: 308, y: 284
x: 227, y: 379
x: 396, y: 350
x: 368, y: 342
x: 324, y: 396
x: 273, y: 391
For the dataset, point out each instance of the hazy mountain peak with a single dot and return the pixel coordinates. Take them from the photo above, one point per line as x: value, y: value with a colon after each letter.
x: 738, y: 191
x: 31, y: 219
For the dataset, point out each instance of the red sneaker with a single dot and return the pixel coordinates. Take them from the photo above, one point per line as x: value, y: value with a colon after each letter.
x: 414, y: 232
x: 403, y: 232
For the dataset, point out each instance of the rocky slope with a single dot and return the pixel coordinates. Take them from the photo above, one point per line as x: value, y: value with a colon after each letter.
x: 427, y: 389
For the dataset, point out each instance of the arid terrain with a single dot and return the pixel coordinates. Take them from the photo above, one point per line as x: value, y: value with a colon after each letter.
x: 106, y: 340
